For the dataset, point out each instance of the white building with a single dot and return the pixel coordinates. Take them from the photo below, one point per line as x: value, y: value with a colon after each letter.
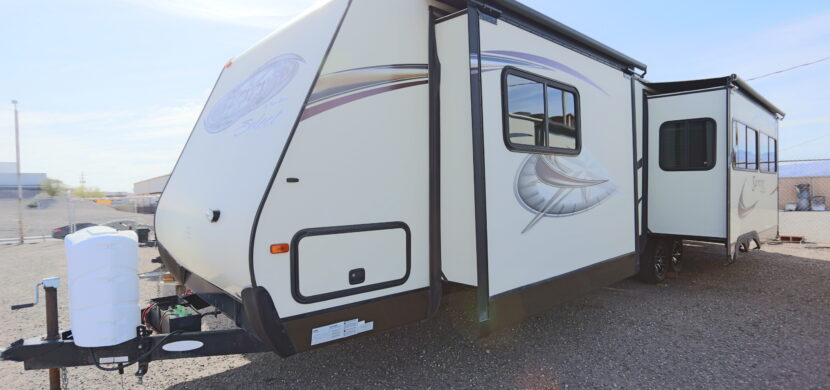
x: 150, y: 186
x: 8, y: 181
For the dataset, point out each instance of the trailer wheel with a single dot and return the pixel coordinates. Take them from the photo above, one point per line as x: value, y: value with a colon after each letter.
x: 654, y: 262
x: 676, y: 262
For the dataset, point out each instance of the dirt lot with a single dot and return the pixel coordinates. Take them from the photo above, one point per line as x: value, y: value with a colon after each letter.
x: 760, y: 323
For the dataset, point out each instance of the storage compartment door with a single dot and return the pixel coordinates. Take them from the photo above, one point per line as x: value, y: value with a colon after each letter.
x: 335, y: 262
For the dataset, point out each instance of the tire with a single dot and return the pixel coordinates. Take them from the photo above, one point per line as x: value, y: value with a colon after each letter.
x: 654, y: 263
x: 676, y: 256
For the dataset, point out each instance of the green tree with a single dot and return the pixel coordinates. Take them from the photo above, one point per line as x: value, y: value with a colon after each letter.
x: 88, y: 192
x: 52, y: 187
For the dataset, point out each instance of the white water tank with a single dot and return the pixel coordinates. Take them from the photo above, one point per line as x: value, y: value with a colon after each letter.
x: 103, y: 286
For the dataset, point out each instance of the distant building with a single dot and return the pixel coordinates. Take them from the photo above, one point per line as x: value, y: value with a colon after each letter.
x: 814, y: 173
x: 152, y: 186
x: 147, y: 193
x: 8, y: 181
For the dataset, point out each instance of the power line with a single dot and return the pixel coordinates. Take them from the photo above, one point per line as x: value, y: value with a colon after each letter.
x: 789, y: 69
x: 805, y: 160
x: 806, y: 142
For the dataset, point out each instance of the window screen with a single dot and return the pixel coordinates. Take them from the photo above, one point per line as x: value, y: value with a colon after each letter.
x: 687, y: 145
x: 541, y: 115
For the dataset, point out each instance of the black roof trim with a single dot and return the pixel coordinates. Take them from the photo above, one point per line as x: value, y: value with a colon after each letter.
x: 562, y: 30
x: 496, y: 7
x: 728, y: 81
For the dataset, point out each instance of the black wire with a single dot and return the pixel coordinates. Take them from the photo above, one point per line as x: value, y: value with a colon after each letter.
x: 145, y: 355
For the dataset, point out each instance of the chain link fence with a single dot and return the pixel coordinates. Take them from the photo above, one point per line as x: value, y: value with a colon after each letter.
x: 54, y: 217
x: 803, y: 194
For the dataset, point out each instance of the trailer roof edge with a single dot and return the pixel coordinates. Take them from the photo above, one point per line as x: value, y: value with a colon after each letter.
x: 752, y: 92
x: 563, y: 30
x: 727, y: 81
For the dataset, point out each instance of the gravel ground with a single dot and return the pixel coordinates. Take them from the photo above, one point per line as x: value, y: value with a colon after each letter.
x: 759, y: 323
x: 41, y: 221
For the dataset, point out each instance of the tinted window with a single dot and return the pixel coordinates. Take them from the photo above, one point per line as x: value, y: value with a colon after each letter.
x: 746, y: 150
x: 526, y: 111
x: 751, y: 149
x: 687, y: 145
x: 561, y: 119
x: 739, y: 147
x: 767, y: 147
x: 541, y: 115
x: 763, y: 153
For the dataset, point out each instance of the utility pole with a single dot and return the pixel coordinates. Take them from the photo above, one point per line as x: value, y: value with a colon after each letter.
x: 19, y: 185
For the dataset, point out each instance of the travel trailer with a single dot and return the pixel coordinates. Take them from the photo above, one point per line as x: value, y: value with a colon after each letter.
x: 350, y: 165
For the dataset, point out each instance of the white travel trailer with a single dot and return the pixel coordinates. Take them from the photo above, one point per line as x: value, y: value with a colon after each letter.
x: 348, y: 165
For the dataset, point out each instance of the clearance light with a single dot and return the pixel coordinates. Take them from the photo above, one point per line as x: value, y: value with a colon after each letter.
x: 279, y: 248
x: 228, y: 65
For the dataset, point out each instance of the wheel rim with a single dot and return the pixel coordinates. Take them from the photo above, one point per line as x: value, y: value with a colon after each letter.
x: 676, y: 254
x: 659, y: 262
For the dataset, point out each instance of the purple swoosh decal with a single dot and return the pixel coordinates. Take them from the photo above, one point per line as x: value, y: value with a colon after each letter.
x: 547, y: 62
x: 328, y: 105
x: 352, y: 80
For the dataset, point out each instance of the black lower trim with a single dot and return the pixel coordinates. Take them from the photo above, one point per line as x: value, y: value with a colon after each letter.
x: 295, y: 260
x: 512, y: 306
x: 265, y: 321
x: 386, y: 312
x: 717, y: 240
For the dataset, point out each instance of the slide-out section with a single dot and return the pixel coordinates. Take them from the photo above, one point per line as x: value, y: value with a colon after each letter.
x: 558, y: 153
x: 687, y: 164
x: 753, y: 170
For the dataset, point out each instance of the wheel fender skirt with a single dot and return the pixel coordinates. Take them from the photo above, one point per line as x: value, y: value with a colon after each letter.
x: 266, y: 323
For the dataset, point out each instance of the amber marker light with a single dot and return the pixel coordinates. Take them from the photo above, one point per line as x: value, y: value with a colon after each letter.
x: 279, y: 248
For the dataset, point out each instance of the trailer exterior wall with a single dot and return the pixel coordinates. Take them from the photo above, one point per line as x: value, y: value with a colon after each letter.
x: 360, y: 153
x: 596, y: 223
x: 687, y: 203
x: 230, y: 156
x: 753, y: 194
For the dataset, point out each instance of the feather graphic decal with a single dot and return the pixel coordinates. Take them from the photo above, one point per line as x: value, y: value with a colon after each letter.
x: 255, y: 91
x: 559, y: 186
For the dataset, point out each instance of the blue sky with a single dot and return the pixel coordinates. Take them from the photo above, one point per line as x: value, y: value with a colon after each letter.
x: 112, y: 88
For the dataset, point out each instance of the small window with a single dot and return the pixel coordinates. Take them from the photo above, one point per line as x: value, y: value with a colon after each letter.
x: 745, y: 150
x: 767, y: 147
x: 751, y: 149
x: 688, y: 145
x: 739, y: 147
x: 541, y: 115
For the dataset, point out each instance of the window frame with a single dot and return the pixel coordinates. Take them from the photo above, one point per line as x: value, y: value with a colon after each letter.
x: 758, y: 134
x: 685, y: 121
x: 546, y: 82
x: 772, y: 149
